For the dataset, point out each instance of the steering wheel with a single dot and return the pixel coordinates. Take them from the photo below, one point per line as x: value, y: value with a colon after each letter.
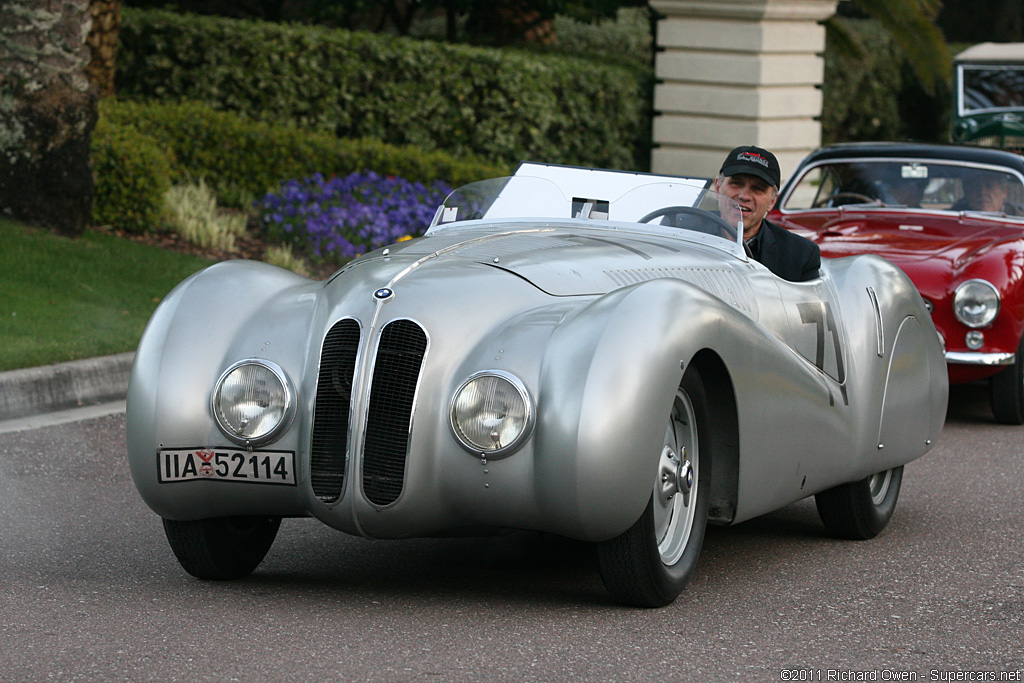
x: 705, y: 221
x: 860, y: 199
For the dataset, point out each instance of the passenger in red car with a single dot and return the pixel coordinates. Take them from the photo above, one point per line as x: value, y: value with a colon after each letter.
x: 984, y: 192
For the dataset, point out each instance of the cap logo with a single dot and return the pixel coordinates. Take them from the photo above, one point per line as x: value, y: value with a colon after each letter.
x: 753, y: 158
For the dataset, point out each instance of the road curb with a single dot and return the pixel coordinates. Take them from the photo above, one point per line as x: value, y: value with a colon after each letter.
x: 50, y: 388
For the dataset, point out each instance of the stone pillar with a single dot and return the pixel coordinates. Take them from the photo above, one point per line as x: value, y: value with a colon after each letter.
x: 737, y: 72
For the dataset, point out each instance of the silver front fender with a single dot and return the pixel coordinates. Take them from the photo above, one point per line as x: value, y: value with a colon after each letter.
x: 199, y: 329
x: 608, y: 381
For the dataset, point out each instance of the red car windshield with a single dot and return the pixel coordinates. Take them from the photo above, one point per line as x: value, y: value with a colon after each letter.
x: 926, y: 185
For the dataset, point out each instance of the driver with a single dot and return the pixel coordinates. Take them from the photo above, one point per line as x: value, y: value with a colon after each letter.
x: 750, y: 177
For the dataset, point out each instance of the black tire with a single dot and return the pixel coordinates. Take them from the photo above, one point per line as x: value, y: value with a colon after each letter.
x: 221, y: 548
x: 861, y: 509
x: 1006, y: 392
x: 649, y: 564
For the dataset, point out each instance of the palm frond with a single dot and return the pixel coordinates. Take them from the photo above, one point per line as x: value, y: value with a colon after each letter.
x: 912, y: 25
x: 845, y: 42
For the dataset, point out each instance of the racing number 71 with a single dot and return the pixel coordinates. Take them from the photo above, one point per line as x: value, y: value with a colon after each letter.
x: 819, y: 314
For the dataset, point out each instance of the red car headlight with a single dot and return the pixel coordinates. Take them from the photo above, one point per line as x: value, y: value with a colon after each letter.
x: 976, y: 303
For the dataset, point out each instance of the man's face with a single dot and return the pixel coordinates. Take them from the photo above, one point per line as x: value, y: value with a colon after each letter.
x: 755, y: 197
x: 987, y: 195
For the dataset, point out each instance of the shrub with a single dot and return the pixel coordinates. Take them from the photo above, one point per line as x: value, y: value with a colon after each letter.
x: 339, y: 218
x: 486, y: 103
x: 241, y: 159
x: 859, y: 95
x: 877, y: 97
x: 626, y: 38
x: 281, y: 255
x: 190, y: 210
x: 132, y: 173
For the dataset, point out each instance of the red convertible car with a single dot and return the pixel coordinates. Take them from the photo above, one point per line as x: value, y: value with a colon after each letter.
x: 952, y: 217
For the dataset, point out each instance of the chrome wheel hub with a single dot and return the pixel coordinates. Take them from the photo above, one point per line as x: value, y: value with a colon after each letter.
x: 677, y: 482
x: 676, y: 475
x: 878, y: 485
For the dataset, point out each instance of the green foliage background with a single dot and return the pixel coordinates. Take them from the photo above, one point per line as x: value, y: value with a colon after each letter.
x: 877, y: 96
x: 245, y: 104
x: 139, y: 148
x: 503, y: 105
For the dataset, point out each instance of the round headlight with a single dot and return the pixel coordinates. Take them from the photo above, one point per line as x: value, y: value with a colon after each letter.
x: 491, y: 413
x: 976, y: 303
x: 253, y: 402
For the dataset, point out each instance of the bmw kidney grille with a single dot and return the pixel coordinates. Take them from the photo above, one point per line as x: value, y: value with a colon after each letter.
x: 399, y: 357
x: 331, y: 411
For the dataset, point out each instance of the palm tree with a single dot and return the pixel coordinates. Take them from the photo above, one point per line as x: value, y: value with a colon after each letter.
x: 47, y: 112
x: 912, y: 24
x: 102, y: 41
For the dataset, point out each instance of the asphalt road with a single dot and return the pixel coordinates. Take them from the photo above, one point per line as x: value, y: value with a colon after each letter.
x: 89, y: 590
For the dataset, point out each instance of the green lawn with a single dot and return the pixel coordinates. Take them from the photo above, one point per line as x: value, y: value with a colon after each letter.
x: 63, y: 299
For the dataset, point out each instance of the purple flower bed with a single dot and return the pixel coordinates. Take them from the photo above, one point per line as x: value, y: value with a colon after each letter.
x: 340, y: 218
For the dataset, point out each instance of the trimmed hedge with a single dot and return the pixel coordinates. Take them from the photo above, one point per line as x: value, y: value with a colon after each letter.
x: 469, y: 101
x: 240, y: 160
x: 236, y: 155
x: 132, y: 173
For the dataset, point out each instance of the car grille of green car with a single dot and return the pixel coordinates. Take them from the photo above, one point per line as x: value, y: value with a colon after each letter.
x: 331, y: 412
x: 389, y: 415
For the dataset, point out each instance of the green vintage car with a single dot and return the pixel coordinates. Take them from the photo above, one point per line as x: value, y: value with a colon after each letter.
x: 990, y: 96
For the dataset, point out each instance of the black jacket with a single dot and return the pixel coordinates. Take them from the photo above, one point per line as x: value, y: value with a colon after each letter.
x: 787, y: 254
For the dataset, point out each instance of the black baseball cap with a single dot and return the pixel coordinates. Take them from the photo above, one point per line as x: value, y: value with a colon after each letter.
x: 753, y: 161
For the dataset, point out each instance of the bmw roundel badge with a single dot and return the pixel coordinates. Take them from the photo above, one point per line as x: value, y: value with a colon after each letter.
x: 383, y: 293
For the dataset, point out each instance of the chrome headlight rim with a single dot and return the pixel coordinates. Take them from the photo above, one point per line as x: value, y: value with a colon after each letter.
x: 528, y: 423
x: 288, y: 411
x: 970, y: 288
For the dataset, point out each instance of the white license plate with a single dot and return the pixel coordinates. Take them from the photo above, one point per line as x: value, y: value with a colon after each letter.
x: 226, y: 464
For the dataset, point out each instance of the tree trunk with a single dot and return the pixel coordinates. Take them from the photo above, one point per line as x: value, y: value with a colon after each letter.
x: 48, y: 108
x: 102, y: 41
x: 507, y: 22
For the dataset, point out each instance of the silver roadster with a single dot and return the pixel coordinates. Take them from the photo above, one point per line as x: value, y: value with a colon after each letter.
x: 580, y: 352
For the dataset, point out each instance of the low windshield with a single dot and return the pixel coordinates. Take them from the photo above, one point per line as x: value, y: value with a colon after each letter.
x: 922, y: 184
x: 679, y: 205
x: 991, y: 88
